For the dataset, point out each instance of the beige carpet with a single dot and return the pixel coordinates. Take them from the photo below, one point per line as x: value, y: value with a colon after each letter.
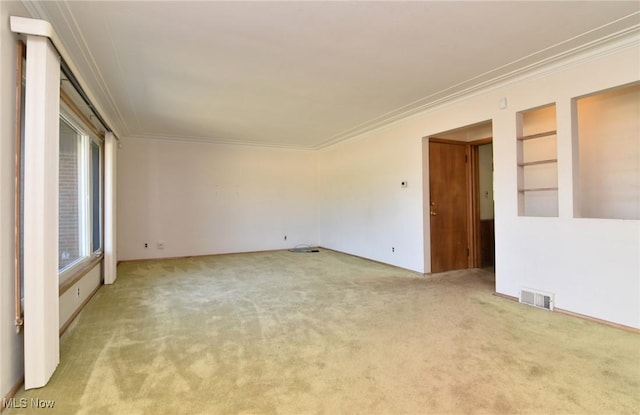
x: 326, y: 333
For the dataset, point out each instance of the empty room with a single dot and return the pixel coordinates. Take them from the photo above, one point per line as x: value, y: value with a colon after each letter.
x: 345, y: 207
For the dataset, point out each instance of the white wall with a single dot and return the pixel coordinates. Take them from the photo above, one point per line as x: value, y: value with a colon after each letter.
x: 365, y: 210
x: 11, y: 351
x: 207, y: 198
x: 592, y: 266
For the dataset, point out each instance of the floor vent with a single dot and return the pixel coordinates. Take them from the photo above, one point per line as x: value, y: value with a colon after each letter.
x: 536, y: 298
x: 304, y: 249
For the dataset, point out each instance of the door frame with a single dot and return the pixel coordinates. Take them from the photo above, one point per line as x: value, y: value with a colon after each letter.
x: 475, y: 257
x: 473, y: 202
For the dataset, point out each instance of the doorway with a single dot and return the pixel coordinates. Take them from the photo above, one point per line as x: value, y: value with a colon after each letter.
x: 448, y: 201
x: 483, y: 154
x: 458, y: 212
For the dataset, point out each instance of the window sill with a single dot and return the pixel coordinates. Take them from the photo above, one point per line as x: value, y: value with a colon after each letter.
x: 80, y: 271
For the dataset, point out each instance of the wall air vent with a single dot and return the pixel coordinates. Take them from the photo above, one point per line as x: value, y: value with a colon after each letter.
x: 537, y: 298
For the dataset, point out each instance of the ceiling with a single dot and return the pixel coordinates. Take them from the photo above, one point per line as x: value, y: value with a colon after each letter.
x: 306, y: 74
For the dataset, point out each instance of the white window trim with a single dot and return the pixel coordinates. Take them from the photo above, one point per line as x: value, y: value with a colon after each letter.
x: 85, y: 193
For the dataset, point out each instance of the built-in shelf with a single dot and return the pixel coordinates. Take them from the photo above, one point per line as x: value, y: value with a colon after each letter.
x: 538, y: 135
x: 538, y: 189
x: 537, y: 162
x: 533, y: 163
x: 608, y: 154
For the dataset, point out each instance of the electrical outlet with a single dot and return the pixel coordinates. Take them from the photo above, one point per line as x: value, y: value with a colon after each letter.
x: 285, y: 237
x: 393, y: 249
x: 160, y: 244
x: 77, y: 291
x: 146, y: 245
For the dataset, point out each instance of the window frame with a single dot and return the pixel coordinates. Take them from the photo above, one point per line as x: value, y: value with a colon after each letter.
x: 88, y: 256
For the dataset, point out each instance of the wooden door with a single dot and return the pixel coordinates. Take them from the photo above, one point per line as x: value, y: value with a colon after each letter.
x: 448, y: 195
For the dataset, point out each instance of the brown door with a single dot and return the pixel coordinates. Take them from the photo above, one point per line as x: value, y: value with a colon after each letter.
x: 448, y: 197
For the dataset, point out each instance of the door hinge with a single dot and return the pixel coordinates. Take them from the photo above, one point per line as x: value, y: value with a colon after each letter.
x: 467, y: 251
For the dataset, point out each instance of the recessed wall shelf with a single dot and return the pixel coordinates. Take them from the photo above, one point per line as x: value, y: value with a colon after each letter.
x: 538, y: 189
x: 538, y: 135
x: 608, y: 183
x: 537, y: 162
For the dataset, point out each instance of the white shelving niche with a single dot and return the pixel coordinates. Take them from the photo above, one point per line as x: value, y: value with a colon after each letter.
x: 537, y: 162
x: 609, y: 154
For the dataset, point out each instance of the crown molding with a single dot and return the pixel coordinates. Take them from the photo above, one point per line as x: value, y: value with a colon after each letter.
x: 35, y: 9
x: 603, y: 40
x: 81, y: 45
x: 623, y: 39
x: 42, y: 14
x: 214, y: 141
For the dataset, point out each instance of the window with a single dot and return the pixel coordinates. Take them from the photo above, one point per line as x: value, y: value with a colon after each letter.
x: 70, y: 197
x: 80, y: 194
x: 96, y: 199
